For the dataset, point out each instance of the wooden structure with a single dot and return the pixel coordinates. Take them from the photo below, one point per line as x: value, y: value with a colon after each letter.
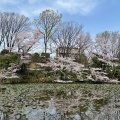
x: 67, y: 52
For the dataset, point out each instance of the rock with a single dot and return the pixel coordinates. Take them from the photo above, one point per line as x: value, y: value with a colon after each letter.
x: 23, y: 117
x: 34, y: 107
x: 18, y: 116
x: 77, y: 117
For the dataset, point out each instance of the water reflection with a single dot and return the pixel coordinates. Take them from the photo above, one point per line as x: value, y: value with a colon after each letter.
x: 49, y: 113
x: 34, y: 103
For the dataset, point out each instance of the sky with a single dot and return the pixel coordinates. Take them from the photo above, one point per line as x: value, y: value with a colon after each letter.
x: 95, y: 15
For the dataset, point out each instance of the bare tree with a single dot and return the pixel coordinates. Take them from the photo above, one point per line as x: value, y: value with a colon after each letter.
x: 47, y: 24
x: 65, y: 37
x: 118, y: 50
x: 114, y: 41
x: 102, y: 42
x: 26, y: 40
x: 12, y: 24
x: 83, y: 42
x: 107, y: 43
x: 2, y: 29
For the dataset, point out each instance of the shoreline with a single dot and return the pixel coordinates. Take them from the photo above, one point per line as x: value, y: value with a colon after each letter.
x: 78, y: 82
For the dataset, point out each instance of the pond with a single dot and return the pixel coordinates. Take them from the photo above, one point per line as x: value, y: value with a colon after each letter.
x: 60, y: 102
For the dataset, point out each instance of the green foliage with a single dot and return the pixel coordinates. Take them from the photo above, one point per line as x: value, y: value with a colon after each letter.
x: 33, y: 65
x: 46, y: 55
x: 35, y: 77
x: 48, y: 79
x: 87, y: 71
x: 23, y: 69
x: 84, y: 77
x: 35, y: 57
x: 109, y: 72
x: 64, y: 74
x: 6, y: 59
x: 4, y: 51
x: 96, y: 62
x: 114, y: 72
x: 72, y: 76
x: 118, y: 56
x: 48, y: 69
x: 100, y: 64
x: 44, y: 58
x: 82, y: 58
x: 12, y: 81
x: 117, y: 72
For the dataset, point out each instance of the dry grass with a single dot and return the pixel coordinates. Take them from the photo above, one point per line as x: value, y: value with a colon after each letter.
x: 34, y: 66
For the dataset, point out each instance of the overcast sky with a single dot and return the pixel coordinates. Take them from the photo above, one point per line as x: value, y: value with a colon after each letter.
x: 95, y: 15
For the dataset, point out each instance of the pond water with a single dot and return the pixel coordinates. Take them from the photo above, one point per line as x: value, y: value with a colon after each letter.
x: 60, y: 102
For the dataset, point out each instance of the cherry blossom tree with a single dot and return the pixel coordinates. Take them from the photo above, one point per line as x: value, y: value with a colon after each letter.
x: 107, y: 43
x: 25, y: 41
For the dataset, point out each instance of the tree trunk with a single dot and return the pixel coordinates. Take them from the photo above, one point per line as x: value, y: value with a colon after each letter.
x: 45, y: 48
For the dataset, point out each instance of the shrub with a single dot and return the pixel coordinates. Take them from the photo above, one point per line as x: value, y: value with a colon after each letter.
x: 14, y: 58
x: 96, y: 62
x: 84, y: 77
x: 64, y: 74
x: 4, y: 51
x: 33, y: 65
x: 23, y: 69
x: 87, y: 72
x: 40, y: 59
x: 6, y: 59
x: 46, y: 55
x: 12, y: 81
x: 48, y: 79
x: 35, y: 57
x: 82, y: 59
x: 48, y: 68
x: 114, y: 72
x: 117, y: 73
